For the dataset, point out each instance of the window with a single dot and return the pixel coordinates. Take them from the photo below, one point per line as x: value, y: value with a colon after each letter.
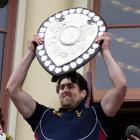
x: 123, y: 22
x: 7, y: 31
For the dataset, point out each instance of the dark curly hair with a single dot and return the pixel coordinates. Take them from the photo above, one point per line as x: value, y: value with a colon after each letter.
x: 75, y: 78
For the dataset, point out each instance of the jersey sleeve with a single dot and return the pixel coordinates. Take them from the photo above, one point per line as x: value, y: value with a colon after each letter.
x: 105, y: 121
x: 34, y: 120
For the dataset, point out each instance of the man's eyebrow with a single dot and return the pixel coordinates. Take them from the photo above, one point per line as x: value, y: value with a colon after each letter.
x: 67, y: 84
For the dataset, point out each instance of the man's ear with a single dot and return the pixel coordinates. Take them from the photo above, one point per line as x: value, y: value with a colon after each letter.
x: 84, y: 93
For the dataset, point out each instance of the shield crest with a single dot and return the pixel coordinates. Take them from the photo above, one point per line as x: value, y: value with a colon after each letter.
x: 69, y: 40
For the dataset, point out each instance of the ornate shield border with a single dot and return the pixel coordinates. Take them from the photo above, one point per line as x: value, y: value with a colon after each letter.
x: 44, y: 58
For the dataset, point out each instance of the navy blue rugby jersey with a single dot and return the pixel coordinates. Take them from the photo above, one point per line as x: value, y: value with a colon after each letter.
x: 79, y: 124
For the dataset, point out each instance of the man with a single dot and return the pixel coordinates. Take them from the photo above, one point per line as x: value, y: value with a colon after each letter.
x: 73, y: 121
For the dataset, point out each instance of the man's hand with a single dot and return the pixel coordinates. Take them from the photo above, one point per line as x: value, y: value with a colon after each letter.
x: 104, y: 40
x: 36, y: 40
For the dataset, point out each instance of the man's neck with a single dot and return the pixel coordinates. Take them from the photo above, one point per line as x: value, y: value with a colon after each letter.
x: 73, y: 108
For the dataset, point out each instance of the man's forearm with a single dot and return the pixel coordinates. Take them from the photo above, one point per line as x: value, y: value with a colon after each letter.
x: 115, y: 73
x: 22, y: 100
x: 18, y: 76
x: 114, y: 97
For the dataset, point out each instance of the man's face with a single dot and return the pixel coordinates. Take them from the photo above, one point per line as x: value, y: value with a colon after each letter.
x: 69, y: 94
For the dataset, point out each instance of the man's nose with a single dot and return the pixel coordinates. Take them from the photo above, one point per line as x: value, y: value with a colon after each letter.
x: 66, y: 88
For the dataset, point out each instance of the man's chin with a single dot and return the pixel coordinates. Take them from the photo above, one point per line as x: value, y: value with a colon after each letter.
x: 66, y: 105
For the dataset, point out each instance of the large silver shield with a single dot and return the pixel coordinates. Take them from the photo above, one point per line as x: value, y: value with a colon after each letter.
x: 69, y: 40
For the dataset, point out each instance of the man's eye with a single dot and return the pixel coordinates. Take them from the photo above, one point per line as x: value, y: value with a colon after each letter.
x: 61, y: 87
x: 70, y: 86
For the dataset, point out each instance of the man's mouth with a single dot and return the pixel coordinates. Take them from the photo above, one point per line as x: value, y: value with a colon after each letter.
x: 66, y: 95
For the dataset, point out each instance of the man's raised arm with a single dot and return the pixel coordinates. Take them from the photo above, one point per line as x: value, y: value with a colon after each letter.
x: 23, y: 101
x: 113, y: 99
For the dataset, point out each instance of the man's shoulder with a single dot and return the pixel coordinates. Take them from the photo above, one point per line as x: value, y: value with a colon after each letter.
x: 42, y: 108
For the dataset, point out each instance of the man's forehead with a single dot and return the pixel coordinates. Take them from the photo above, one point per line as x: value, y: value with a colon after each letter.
x: 66, y: 81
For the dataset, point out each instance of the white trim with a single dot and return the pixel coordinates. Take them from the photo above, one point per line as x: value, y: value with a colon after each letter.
x: 93, y: 127
x: 102, y: 128
x: 99, y: 122
x: 78, y: 139
x: 41, y: 120
x: 41, y: 127
x: 21, y: 13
